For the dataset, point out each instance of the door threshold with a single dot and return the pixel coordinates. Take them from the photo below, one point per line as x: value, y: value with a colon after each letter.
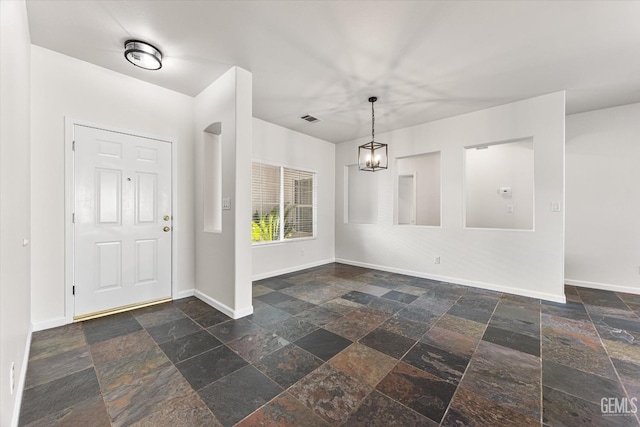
x: 116, y: 310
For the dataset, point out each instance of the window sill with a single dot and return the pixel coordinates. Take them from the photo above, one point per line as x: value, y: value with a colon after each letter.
x: 282, y: 242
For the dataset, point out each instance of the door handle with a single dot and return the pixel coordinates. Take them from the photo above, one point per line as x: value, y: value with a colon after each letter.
x: 166, y: 228
x: 166, y: 217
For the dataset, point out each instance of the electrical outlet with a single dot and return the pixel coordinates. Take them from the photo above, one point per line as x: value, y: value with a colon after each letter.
x: 12, y: 377
x: 436, y: 260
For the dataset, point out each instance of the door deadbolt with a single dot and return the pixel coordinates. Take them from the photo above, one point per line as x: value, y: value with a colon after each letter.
x: 166, y: 217
x: 166, y: 228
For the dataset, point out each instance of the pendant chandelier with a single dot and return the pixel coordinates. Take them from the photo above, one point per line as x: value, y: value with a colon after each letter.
x: 373, y: 156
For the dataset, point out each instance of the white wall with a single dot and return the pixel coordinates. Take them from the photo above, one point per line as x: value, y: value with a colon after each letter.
x: 277, y: 145
x: 603, y: 207
x: 67, y: 87
x: 523, y: 262
x: 426, y: 168
x: 15, y: 321
x: 502, y: 165
x: 223, y: 260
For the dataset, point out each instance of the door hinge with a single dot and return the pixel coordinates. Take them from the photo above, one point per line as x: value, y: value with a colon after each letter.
x: 73, y: 289
x: 73, y: 146
x: 73, y: 218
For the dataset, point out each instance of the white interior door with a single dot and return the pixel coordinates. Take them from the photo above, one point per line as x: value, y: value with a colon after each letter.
x: 123, y: 220
x: 406, y: 199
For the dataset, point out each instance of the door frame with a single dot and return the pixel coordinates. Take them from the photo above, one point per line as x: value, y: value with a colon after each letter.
x: 69, y: 192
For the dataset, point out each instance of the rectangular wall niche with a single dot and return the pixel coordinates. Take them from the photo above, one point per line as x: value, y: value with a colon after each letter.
x: 499, y: 185
x: 362, y: 196
x: 418, y: 190
x: 212, y: 178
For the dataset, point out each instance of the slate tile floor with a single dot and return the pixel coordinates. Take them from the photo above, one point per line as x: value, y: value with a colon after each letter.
x: 340, y: 345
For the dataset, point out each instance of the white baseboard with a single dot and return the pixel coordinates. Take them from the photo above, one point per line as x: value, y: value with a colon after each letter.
x: 21, y: 380
x: 603, y: 286
x: 292, y: 269
x: 53, y: 323
x: 234, y: 314
x: 490, y: 286
x: 185, y: 294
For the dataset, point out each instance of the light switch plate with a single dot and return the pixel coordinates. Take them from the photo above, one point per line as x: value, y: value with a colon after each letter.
x: 226, y: 203
x: 555, y: 206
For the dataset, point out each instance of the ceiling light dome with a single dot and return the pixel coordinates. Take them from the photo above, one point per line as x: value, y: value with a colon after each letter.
x: 143, y: 55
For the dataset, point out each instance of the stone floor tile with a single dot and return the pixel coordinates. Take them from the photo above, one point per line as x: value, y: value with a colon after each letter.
x: 283, y: 411
x: 319, y: 316
x: 158, y: 314
x: 172, y: 330
x: 108, y: 327
x: 505, y: 376
x: 377, y: 410
x: 570, y: 348
x: 107, y: 351
x: 292, y: 329
x: 259, y: 290
x: 323, y: 344
x: 470, y: 409
x: 234, y: 329
x: 187, y: 410
x: 253, y: 347
x: 210, y: 366
x: 143, y: 396
x: 88, y: 412
x: 119, y: 372
x: 462, y: 326
x: 339, y: 396
x: 211, y: 318
x: 357, y: 324
x: 274, y: 297
x: 514, y: 340
x: 267, y: 315
x: 50, y: 398
x: 237, y: 395
x: 190, y: 345
x: 294, y: 306
x: 363, y: 363
x: 419, y: 390
x: 288, y: 365
x: 584, y: 385
x: 405, y: 327
x: 54, y: 341
x: 437, y: 362
x: 452, y: 342
x: 387, y: 342
x: 561, y: 409
x: 60, y: 365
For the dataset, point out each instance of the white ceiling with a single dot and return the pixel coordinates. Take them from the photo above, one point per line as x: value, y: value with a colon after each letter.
x: 424, y: 60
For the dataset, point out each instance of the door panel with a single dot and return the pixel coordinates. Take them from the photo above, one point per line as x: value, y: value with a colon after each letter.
x: 122, y: 191
x: 108, y: 265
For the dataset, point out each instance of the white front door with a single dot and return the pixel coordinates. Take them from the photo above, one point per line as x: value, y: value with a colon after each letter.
x: 122, y: 224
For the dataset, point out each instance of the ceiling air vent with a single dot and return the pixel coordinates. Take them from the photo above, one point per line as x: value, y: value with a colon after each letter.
x: 310, y: 118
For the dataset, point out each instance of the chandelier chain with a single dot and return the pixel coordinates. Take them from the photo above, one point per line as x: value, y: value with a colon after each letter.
x: 373, y: 122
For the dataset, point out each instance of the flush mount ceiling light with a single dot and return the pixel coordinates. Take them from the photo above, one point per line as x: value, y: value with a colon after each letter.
x: 373, y: 155
x: 143, y: 55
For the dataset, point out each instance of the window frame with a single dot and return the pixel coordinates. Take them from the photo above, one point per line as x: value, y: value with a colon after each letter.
x: 281, y: 198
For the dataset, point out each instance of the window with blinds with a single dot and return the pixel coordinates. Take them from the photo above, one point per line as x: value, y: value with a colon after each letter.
x: 283, y: 203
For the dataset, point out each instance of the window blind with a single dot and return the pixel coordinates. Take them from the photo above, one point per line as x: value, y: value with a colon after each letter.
x: 283, y: 203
